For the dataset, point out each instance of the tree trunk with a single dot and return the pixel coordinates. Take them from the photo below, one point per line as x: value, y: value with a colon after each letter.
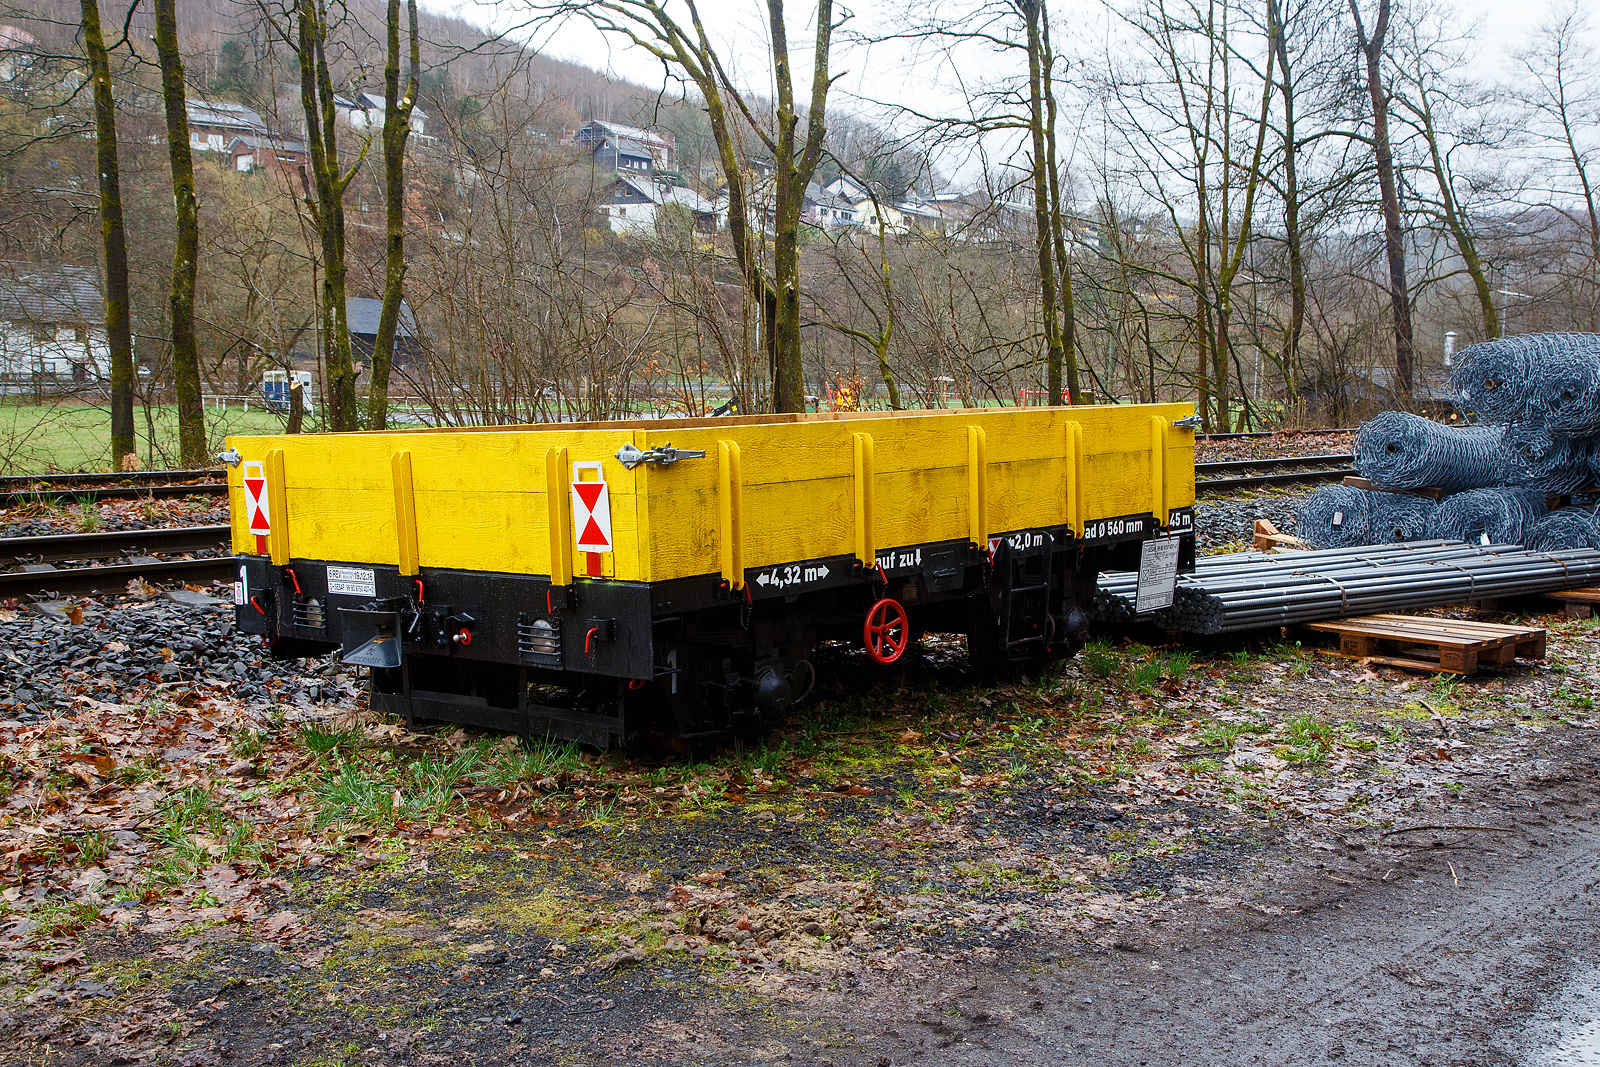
x: 1393, y: 236
x: 396, y: 131
x: 795, y: 170
x: 186, y: 250
x: 1290, y: 354
x: 1058, y: 224
x: 113, y: 237
x: 317, y: 101
x: 1044, y: 246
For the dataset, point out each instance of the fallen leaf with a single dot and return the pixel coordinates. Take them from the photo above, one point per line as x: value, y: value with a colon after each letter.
x: 75, y: 613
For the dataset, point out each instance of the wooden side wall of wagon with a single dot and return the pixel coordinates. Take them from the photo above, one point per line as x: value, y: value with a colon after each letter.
x: 603, y: 581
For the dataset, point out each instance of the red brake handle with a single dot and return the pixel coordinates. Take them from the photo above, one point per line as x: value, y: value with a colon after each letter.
x: 290, y: 572
x: 588, y: 638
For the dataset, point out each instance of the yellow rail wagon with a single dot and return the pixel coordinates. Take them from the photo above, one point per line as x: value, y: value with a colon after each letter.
x: 601, y: 581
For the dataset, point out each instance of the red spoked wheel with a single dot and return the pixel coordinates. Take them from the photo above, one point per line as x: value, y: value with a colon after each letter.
x: 886, y: 631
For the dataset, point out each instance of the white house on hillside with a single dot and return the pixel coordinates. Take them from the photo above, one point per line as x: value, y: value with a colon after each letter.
x: 52, y: 328
x: 860, y: 200
x: 631, y: 205
x: 366, y: 110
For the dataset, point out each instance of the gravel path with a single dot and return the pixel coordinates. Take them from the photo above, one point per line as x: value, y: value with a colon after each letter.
x: 113, y: 649
x: 1227, y: 523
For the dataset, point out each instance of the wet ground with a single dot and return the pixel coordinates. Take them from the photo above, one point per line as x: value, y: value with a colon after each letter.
x: 1254, y: 853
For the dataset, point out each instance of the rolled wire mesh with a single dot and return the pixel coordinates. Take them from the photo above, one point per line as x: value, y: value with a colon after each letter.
x: 1561, y: 530
x: 1336, y: 516
x: 1540, y: 460
x: 1495, y: 378
x: 1397, y: 450
x: 1395, y: 518
x: 1487, y: 516
x: 1566, y: 382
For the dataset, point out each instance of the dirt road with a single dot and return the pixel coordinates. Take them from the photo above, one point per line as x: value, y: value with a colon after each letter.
x: 1448, y: 955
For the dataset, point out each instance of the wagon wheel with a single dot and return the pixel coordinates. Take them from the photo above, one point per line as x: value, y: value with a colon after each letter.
x: 886, y: 631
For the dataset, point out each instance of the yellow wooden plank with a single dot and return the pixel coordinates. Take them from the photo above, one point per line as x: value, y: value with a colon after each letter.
x: 405, y: 514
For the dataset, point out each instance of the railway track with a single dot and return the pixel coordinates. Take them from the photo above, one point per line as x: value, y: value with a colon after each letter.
x: 1229, y: 475
x: 1264, y: 433
x: 132, y: 485
x: 35, y: 557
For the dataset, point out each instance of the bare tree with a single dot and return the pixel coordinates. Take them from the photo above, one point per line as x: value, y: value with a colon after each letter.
x: 397, y: 111
x: 186, y: 254
x: 1372, y: 47
x: 685, y: 49
x: 113, y: 236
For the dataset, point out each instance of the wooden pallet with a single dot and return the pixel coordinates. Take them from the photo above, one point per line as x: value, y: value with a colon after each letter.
x: 1577, y: 603
x: 1454, y: 646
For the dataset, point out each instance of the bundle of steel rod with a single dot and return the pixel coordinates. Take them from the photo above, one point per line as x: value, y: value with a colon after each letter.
x: 1398, y: 450
x: 1251, y: 591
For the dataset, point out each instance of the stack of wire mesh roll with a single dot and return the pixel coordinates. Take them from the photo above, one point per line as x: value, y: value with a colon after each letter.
x: 1538, y: 397
x: 1544, y: 390
x: 1252, y: 590
x: 1337, y: 516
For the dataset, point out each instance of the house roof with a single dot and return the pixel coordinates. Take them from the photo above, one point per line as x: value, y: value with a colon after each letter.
x: 32, y: 292
x: 665, y: 193
x: 274, y: 144
x: 236, y: 116
x: 365, y: 101
x: 14, y: 39
x: 631, y: 133
x: 628, y: 147
x: 362, y: 313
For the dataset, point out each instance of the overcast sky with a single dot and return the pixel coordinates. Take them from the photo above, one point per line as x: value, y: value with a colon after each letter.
x: 887, y: 74
x: 741, y: 23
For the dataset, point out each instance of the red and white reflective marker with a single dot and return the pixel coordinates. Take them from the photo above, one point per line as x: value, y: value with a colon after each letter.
x: 256, y: 506
x: 591, y: 516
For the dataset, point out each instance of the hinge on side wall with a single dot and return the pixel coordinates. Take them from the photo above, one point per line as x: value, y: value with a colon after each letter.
x: 666, y: 455
x: 1192, y: 422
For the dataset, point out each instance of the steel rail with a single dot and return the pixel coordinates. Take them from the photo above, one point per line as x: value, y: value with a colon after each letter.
x: 114, y: 578
x: 22, y: 481
x: 1225, y: 466
x: 1261, y: 481
x: 12, y: 498
x: 48, y: 548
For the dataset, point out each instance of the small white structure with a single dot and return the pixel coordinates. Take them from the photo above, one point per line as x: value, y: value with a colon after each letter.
x: 366, y: 110
x: 867, y: 212
x: 214, y: 125
x: 632, y: 205
x: 52, y: 329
